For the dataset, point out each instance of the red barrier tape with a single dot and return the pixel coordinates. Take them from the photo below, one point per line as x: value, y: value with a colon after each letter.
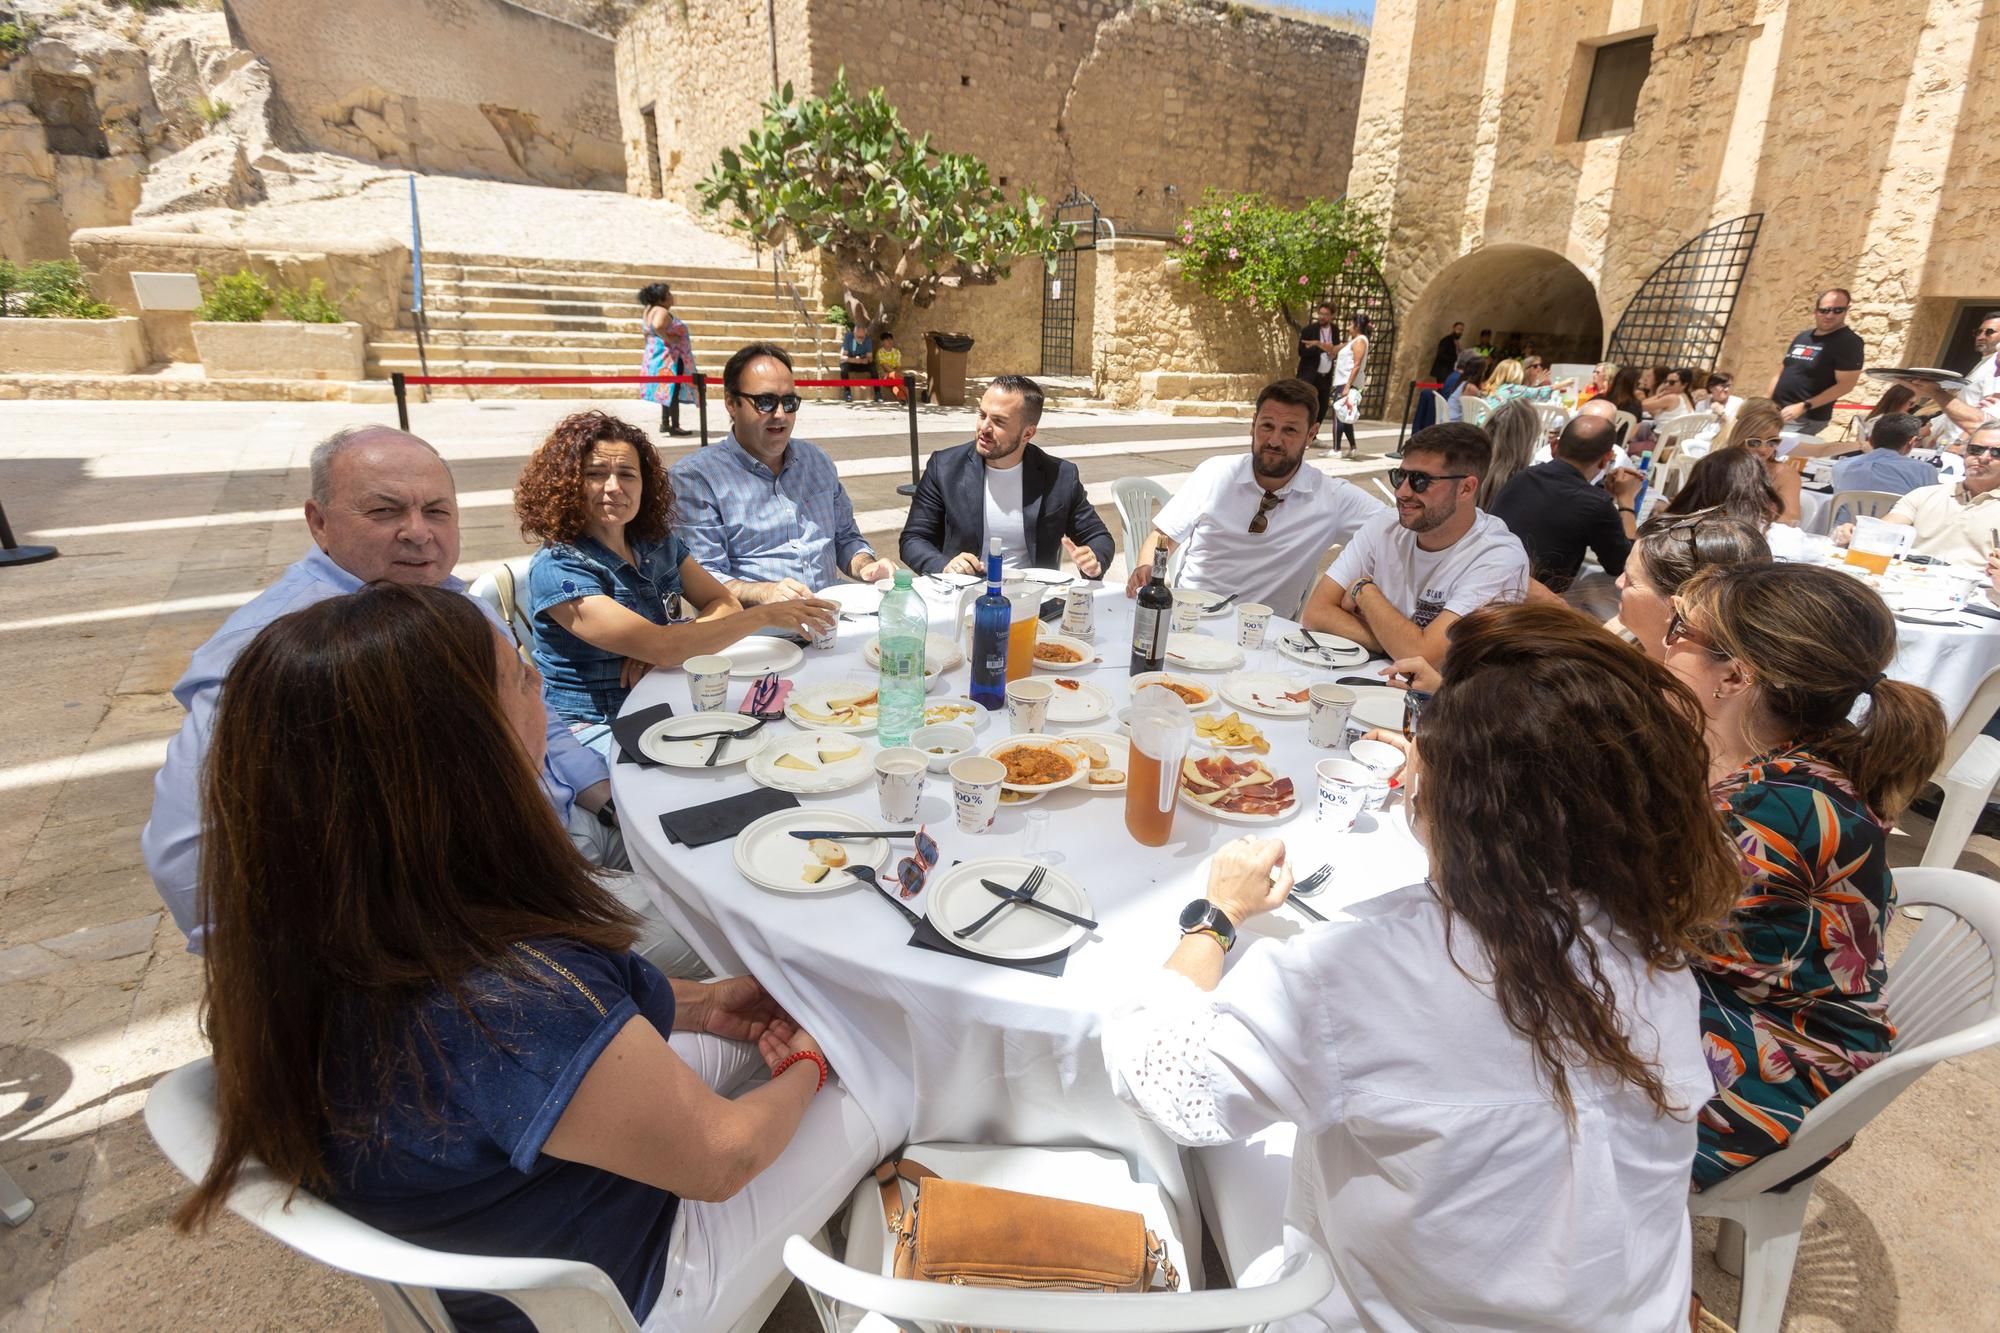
x: 844, y: 384
x: 1430, y: 384
x: 626, y: 379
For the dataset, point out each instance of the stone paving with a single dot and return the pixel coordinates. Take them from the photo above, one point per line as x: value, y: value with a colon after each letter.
x: 171, y: 515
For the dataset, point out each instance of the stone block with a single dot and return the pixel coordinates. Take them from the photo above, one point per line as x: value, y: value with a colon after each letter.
x: 281, y: 349
x: 103, y: 346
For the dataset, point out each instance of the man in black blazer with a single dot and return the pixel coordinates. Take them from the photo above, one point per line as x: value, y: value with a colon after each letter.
x: 1318, y: 342
x: 1446, y: 357
x: 1035, y: 502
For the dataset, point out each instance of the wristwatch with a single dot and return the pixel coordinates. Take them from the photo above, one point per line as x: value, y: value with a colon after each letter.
x: 1354, y: 588
x: 1203, y: 915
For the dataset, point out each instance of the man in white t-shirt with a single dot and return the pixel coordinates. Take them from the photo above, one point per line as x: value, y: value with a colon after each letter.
x: 1979, y: 401
x: 1258, y: 524
x: 1407, y: 577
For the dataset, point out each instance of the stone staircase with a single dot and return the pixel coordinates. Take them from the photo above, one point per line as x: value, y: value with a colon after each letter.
x: 507, y: 315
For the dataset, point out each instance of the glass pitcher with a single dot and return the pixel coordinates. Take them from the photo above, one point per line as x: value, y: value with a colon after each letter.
x: 1162, y: 727
x: 1025, y: 600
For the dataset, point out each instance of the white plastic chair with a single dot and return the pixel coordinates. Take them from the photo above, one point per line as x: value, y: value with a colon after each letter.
x: 1440, y: 406
x: 1088, y: 1175
x: 512, y: 604
x: 1968, y: 773
x: 1626, y: 424
x: 1138, y: 499
x: 1858, y: 504
x: 557, y: 1295
x: 1943, y: 999
x: 1474, y: 411
x: 14, y: 1205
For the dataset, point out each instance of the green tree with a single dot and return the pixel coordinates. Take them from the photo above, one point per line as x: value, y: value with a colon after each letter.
x: 1243, y: 247
x: 898, y: 220
x: 239, y: 298
x: 52, y: 289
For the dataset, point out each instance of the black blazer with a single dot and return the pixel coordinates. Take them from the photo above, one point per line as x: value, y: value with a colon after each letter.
x: 1309, y: 353
x: 948, y: 512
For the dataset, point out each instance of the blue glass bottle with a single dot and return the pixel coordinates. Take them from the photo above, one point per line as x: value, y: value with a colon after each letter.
x: 992, y: 618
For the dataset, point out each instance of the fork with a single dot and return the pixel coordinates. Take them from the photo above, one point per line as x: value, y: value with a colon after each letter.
x: 1309, y: 885
x: 1034, y: 883
x: 724, y: 737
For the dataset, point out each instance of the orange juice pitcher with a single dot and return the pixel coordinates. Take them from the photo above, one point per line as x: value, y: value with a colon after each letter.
x: 1162, y: 727
x: 1025, y: 601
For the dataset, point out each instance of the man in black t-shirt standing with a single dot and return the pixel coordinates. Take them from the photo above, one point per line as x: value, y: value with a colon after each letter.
x: 1447, y: 353
x: 1821, y: 365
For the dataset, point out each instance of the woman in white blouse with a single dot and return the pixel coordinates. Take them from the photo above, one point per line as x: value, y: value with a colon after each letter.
x: 1493, y: 1074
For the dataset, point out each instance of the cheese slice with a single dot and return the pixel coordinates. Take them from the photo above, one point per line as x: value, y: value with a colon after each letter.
x: 797, y: 762
x: 812, y: 872
x: 829, y: 754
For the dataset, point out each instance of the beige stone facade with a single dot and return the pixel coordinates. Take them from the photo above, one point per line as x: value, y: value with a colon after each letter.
x: 1856, y: 131
x: 280, y: 349
x: 1158, y: 339
x: 99, y: 346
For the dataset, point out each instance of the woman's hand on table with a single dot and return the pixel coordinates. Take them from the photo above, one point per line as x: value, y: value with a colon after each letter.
x: 1249, y: 877
x: 806, y: 616
x: 1413, y: 673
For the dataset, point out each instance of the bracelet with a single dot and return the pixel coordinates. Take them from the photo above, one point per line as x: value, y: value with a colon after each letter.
x: 797, y: 1056
x: 1628, y: 509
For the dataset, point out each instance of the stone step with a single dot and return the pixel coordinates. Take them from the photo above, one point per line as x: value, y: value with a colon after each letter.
x: 665, y: 271
x: 528, y: 301
x: 709, y: 357
x: 624, y: 321
x: 609, y: 335
x: 1198, y: 407
x: 752, y: 282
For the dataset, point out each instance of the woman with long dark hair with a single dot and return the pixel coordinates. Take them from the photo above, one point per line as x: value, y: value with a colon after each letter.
x: 1494, y: 1072
x: 1778, y: 657
x: 669, y: 351
x: 1739, y: 481
x: 1670, y: 550
x: 422, y: 1005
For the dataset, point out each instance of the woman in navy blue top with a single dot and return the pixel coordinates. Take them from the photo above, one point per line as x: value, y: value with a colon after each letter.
x: 423, y: 1006
x: 613, y: 592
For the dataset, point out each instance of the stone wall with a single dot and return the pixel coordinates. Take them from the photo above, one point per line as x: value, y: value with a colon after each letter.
x: 469, y: 87
x: 1156, y: 336
x: 1853, y: 130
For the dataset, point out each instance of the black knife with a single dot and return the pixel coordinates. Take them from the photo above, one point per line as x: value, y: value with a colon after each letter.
x: 849, y: 835
x: 1015, y: 895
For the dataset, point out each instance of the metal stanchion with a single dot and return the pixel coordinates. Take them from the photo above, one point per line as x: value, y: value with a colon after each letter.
x: 13, y: 553
x: 910, y: 396
x: 701, y: 404
x: 1402, y: 427
x: 402, y: 400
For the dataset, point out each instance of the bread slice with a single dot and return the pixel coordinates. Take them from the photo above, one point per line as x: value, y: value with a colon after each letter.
x: 1106, y: 777
x: 829, y: 852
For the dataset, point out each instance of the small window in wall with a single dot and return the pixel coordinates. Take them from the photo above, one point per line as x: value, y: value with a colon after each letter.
x: 655, y: 179
x: 1617, y: 70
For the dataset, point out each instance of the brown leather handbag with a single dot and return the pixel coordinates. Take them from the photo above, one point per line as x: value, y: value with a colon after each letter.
x: 977, y: 1236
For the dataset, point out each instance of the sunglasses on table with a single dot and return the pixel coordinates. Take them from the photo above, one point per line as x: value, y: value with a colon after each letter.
x: 912, y: 870
x: 767, y: 403
x: 1419, y: 482
x: 1678, y: 629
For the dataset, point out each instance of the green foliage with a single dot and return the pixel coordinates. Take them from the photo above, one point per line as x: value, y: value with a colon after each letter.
x: 212, y: 111
x: 15, y: 36
x: 1243, y: 247
x: 52, y: 289
x: 836, y: 317
x: 311, y: 304
x: 240, y: 298
x: 899, y: 220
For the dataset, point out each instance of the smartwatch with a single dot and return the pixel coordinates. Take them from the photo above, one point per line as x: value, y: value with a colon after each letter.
x: 1203, y: 915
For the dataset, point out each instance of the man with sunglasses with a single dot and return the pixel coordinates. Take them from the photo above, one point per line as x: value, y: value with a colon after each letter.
x: 1258, y: 524
x: 763, y: 512
x: 1409, y: 575
x: 1955, y: 521
x: 1980, y: 398
x: 1822, y: 364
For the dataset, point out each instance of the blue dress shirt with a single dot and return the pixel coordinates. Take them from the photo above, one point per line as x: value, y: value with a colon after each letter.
x: 171, y: 840
x: 740, y: 520
x: 579, y: 679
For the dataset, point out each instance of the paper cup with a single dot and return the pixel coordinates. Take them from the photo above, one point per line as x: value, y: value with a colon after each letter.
x: 1028, y: 704
x: 1187, y: 612
x: 1251, y: 621
x: 975, y: 791
x: 708, y: 682
x: 1326, y: 725
x: 1343, y: 793
x: 825, y: 640
x: 1079, y: 612
x: 899, y: 782
x: 1381, y: 759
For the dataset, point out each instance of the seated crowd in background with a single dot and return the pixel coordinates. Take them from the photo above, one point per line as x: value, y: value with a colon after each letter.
x: 1955, y: 521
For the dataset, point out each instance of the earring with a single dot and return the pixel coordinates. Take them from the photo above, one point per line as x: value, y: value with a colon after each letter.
x: 1718, y: 693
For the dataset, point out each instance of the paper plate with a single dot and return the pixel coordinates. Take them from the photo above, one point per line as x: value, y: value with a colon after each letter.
x: 1086, y: 653
x: 808, y: 747
x: 760, y: 653
x: 941, y: 653
x: 1033, y: 740
x: 1118, y: 758
x: 954, y: 708
x: 1186, y: 683
x: 1048, y: 578
x: 1085, y: 703
x: 657, y: 742
x: 1378, y: 706
x: 1212, y: 603
x: 770, y: 858
x: 1198, y: 652
x: 1264, y: 692
x: 1299, y: 798
x: 956, y: 899
x: 856, y: 599
x: 1338, y: 652
x: 810, y: 706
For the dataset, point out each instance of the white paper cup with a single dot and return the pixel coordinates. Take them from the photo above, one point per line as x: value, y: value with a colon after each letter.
x: 1251, y: 621
x: 1326, y: 726
x: 708, y: 682
x: 1382, y: 759
x: 825, y: 639
x: 1079, y: 612
x: 975, y: 791
x: 1343, y: 793
x: 1187, y: 612
x: 1028, y: 704
x: 899, y: 782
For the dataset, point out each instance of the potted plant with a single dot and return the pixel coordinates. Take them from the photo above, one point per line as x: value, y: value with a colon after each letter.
x: 50, y: 323
x: 311, y: 342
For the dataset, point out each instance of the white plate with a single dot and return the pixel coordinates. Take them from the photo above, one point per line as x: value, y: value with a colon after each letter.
x: 1210, y: 742
x: 1008, y: 797
x: 1211, y: 602
x: 1378, y: 706
x: 1040, y: 741
x: 956, y: 899
x: 1118, y: 747
x: 817, y: 697
x: 1146, y: 678
x: 1048, y: 578
x: 1085, y: 703
x: 1264, y: 692
x: 857, y: 599
x: 940, y: 653
x: 824, y: 777
x: 1344, y: 652
x: 1198, y: 652
x: 1231, y: 817
x: 1084, y: 663
x: 752, y: 657
x: 657, y: 742
x: 933, y: 717
x: 769, y: 857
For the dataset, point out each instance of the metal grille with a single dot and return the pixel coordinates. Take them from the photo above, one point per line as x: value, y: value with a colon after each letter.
x: 1679, y: 315
x: 1078, y: 217
x: 1360, y: 288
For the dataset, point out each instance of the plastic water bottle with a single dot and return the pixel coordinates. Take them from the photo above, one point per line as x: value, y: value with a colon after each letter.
x: 992, y: 620
x: 900, y: 698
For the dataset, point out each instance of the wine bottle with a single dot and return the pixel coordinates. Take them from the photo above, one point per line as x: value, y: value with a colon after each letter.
x: 992, y: 617
x: 1152, y: 618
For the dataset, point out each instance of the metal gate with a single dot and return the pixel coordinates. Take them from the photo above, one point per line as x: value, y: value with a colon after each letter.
x: 1361, y: 289
x: 1078, y: 218
x: 1679, y: 315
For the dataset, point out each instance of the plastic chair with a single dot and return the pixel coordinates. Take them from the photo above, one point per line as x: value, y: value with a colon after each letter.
x: 1873, y: 504
x: 557, y: 1295
x: 1474, y: 411
x: 1626, y: 424
x: 1138, y: 499
x: 1968, y: 773
x: 1440, y: 406
x: 14, y: 1205
x: 510, y: 604
x: 1089, y: 1175
x: 1942, y: 997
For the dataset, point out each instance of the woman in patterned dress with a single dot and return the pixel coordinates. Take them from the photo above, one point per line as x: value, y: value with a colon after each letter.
x: 669, y: 351
x: 1792, y: 986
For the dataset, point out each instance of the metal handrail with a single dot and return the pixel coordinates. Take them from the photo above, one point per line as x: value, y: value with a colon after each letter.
x: 781, y: 278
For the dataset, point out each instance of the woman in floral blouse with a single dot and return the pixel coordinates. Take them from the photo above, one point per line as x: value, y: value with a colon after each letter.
x: 1792, y: 986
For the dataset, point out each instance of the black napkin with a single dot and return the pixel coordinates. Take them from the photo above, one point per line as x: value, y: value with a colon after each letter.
x: 715, y: 821
x: 927, y: 936
x: 627, y: 728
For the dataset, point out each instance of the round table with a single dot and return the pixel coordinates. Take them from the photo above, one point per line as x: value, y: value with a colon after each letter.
x: 941, y: 1047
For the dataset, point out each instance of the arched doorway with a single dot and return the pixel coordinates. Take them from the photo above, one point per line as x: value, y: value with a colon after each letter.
x: 1522, y: 293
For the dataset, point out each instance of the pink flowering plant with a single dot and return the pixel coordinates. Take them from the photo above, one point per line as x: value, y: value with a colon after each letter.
x: 1243, y: 247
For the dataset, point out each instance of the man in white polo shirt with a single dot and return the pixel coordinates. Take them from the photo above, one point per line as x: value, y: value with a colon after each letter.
x: 1408, y: 576
x: 1257, y: 524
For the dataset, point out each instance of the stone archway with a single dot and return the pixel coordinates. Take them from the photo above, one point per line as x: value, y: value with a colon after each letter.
x: 1513, y: 290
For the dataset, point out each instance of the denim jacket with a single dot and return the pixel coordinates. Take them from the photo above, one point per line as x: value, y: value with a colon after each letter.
x: 580, y: 680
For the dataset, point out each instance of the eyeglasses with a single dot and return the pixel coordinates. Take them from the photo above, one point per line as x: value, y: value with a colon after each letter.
x: 1262, y: 518
x: 1831, y: 309
x: 1982, y: 451
x: 1677, y: 629
x: 1419, y: 482
x: 767, y: 403
x: 911, y: 871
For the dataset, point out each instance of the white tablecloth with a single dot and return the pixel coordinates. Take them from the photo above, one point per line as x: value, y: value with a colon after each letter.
x: 937, y: 1047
